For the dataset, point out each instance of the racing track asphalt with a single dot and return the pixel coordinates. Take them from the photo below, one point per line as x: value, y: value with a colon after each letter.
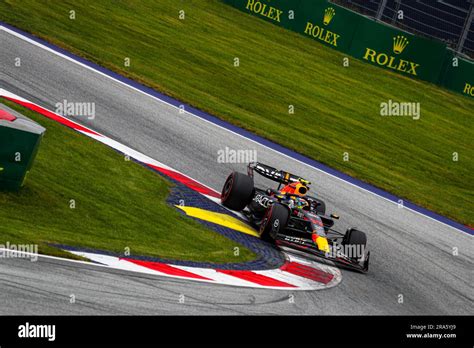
x: 411, y: 254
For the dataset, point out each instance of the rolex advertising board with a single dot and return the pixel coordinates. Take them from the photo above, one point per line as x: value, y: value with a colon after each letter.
x: 372, y: 42
x: 327, y: 23
x: 459, y: 76
x: 398, y: 51
x: 279, y: 12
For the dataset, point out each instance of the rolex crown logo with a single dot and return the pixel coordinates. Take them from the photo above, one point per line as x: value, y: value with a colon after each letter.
x: 328, y: 15
x: 399, y: 44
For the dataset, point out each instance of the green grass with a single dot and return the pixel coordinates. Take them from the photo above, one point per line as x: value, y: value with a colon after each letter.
x: 118, y: 204
x: 336, y: 108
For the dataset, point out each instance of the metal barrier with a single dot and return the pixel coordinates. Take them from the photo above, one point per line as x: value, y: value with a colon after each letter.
x: 20, y: 139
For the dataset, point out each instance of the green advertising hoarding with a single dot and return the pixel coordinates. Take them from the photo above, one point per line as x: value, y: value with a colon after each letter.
x: 363, y: 38
x: 20, y: 139
x: 16, y: 156
x: 327, y: 23
x: 398, y: 51
x: 459, y: 76
x: 279, y: 12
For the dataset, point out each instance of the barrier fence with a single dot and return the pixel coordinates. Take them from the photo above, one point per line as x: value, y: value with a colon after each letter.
x: 459, y: 75
x: 20, y: 139
x: 370, y: 41
x: 327, y: 24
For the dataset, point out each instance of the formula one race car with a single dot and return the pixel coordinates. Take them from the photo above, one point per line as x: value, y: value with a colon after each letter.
x: 292, y: 219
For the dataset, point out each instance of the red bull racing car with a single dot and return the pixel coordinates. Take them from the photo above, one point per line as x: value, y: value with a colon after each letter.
x: 292, y: 219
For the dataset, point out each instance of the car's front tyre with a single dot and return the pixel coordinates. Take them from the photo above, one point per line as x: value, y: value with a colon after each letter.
x: 275, y: 220
x: 357, y: 240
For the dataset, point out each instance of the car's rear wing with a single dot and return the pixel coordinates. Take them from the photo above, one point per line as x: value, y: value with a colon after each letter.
x: 274, y: 174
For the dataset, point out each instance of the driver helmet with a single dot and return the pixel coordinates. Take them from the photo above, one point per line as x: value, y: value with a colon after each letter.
x: 301, y: 203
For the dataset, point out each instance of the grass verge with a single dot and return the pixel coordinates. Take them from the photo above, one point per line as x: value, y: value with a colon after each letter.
x: 337, y: 109
x: 118, y: 204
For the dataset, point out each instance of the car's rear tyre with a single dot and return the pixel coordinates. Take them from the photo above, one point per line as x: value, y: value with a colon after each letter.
x: 237, y: 191
x: 356, y: 238
x: 275, y: 220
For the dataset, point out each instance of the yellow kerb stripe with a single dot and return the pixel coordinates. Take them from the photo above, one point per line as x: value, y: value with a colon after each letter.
x: 219, y: 219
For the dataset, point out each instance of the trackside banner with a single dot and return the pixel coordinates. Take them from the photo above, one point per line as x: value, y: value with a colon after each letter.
x: 279, y: 12
x: 398, y: 51
x: 373, y: 42
x: 459, y: 75
x: 327, y: 23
